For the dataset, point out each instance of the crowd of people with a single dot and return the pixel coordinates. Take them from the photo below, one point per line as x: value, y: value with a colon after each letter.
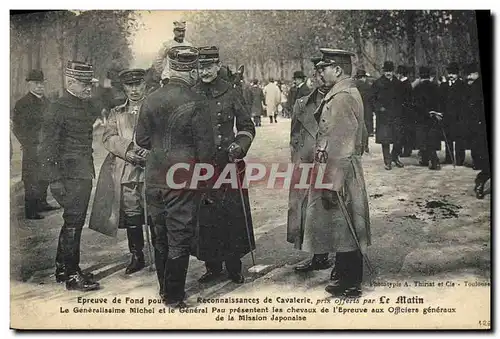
x: 190, y: 115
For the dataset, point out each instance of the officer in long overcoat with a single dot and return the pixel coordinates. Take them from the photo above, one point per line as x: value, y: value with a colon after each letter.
x: 302, y: 142
x: 255, y: 99
x: 428, y: 129
x: 66, y: 155
x: 175, y: 126
x: 26, y: 124
x: 387, y: 104
x: 118, y: 201
x: 365, y: 90
x: 454, y: 107
x: 223, y: 235
x: 338, y: 150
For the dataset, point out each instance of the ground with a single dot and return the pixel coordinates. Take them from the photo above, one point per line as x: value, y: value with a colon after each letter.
x: 425, y: 225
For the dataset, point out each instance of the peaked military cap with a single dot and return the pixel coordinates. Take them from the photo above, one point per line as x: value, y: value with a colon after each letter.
x: 80, y: 71
x: 334, y: 56
x: 132, y: 76
x: 402, y: 69
x: 472, y: 68
x: 183, y: 58
x: 453, y: 68
x: 388, y: 66
x: 35, y: 75
x: 424, y: 72
x: 208, y: 54
x: 298, y: 75
x: 315, y: 60
x: 180, y: 25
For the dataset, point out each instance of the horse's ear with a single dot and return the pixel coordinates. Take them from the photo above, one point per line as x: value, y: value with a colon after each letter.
x: 241, y: 69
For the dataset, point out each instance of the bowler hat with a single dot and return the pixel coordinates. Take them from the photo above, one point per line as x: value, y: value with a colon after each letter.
x: 424, y: 72
x: 472, y: 68
x: 298, y: 75
x: 388, y: 66
x: 35, y: 75
x: 360, y: 73
x: 453, y: 68
x: 132, y: 76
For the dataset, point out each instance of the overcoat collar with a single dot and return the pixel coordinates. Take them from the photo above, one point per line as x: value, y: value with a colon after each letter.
x: 340, y: 86
x: 306, y: 113
x: 70, y: 100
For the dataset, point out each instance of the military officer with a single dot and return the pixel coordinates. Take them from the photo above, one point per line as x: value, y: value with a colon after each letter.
x: 365, y: 90
x: 338, y: 150
x: 67, y: 163
x: 387, y: 104
x: 408, y: 118
x: 118, y: 200
x: 223, y: 232
x: 27, y: 124
x: 173, y: 124
x: 302, y: 141
x: 160, y: 64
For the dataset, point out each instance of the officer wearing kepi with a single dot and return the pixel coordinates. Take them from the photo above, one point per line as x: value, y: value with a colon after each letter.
x: 67, y: 163
x: 340, y: 212
x: 224, y: 233
x: 175, y: 126
x: 302, y: 146
x: 118, y: 200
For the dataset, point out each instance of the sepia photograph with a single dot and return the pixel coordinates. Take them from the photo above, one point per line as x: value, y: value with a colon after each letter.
x: 250, y: 169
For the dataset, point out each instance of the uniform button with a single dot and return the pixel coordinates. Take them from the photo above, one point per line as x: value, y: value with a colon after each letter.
x: 219, y: 136
x: 218, y: 103
x: 218, y: 125
x: 218, y: 114
x: 219, y: 147
x: 301, y: 145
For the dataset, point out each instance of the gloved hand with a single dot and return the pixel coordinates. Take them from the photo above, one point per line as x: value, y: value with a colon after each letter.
x: 234, y: 152
x: 57, y: 189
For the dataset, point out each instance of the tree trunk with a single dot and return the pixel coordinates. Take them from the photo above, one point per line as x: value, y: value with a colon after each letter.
x: 282, y: 69
x: 38, y: 43
x: 410, y: 32
x: 60, y: 23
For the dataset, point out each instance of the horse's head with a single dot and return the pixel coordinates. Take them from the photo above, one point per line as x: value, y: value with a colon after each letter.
x: 235, y: 78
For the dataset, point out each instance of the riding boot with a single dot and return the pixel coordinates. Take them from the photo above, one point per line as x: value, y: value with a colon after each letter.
x: 233, y: 267
x: 70, y: 246
x: 214, y: 269
x: 60, y: 273
x: 387, y: 156
x: 271, y: 119
x: 135, y: 238
x: 175, y: 280
x: 318, y: 262
x: 347, y: 275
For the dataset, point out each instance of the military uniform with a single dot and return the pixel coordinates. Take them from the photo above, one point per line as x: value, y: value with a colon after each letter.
x: 27, y: 124
x: 118, y: 199
x: 66, y: 155
x: 222, y: 232
x: 174, y: 125
x: 339, y: 147
x: 408, y: 116
x: 365, y: 91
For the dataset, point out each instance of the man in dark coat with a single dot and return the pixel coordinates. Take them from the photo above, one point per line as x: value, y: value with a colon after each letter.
x: 408, y: 116
x: 175, y: 127
x: 300, y: 88
x: 257, y: 102
x: 365, y: 90
x: 66, y: 155
x: 27, y: 123
x: 387, y: 104
x: 118, y: 201
x: 479, y: 133
x: 223, y: 235
x: 428, y: 132
x: 453, y: 106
